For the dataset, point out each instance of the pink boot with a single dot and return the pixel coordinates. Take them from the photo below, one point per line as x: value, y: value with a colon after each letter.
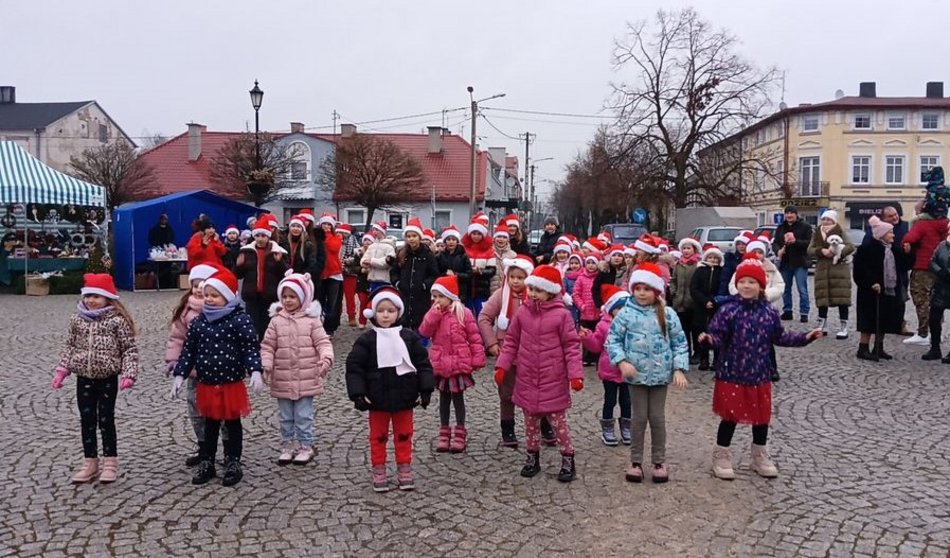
x: 445, y: 436
x: 110, y: 470
x: 459, y: 437
x: 90, y: 466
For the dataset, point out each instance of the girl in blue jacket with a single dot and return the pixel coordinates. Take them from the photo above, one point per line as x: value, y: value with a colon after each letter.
x: 646, y: 342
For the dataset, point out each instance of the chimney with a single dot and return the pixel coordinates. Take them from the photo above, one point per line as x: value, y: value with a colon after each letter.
x: 347, y: 130
x: 935, y: 90
x: 194, y: 140
x: 7, y: 94
x: 435, y: 140
x: 867, y: 89
x: 296, y: 127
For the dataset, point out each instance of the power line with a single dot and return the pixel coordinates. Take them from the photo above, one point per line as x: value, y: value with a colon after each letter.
x: 485, y: 118
x: 561, y: 122
x: 548, y: 113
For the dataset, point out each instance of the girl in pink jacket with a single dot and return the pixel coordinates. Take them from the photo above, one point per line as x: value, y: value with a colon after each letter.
x: 583, y: 298
x: 544, y: 346
x: 296, y: 354
x: 456, y: 352
x: 614, y: 386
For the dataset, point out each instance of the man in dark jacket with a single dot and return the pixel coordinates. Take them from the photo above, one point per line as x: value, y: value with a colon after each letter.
x: 162, y: 233
x: 545, y: 251
x: 791, y: 242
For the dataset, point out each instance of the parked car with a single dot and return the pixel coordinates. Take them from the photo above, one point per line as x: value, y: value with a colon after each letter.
x: 624, y: 233
x: 534, y: 238
x: 720, y: 237
x: 769, y: 228
x: 398, y: 235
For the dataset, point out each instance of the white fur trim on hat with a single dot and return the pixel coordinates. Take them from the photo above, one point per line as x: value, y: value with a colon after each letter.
x: 647, y: 278
x: 592, y: 258
x: 297, y: 221
x: 326, y: 219
x: 756, y: 245
x: 201, y: 272
x: 256, y: 232
x: 370, y: 312
x: 520, y: 263
x: 628, y: 251
x: 501, y: 233
x: 614, y: 299
x: 543, y: 284
x: 451, y: 232
x: 413, y: 229
x: 562, y: 248
x: 292, y: 285
x: 644, y: 247
x: 97, y: 291
x: 697, y: 247
x: 712, y: 250
x: 437, y: 288
x: 219, y: 286
x: 477, y: 227
x: 230, y: 230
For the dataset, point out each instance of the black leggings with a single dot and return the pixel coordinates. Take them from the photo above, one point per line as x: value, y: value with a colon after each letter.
x: 233, y: 444
x: 259, y: 311
x: 331, y: 298
x: 446, y: 400
x: 842, y: 312
x: 692, y: 336
x: 612, y: 392
x: 587, y: 355
x: 95, y: 398
x: 760, y: 434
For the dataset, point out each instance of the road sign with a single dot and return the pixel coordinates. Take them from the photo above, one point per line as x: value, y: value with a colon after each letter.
x: 778, y: 218
x: 639, y: 216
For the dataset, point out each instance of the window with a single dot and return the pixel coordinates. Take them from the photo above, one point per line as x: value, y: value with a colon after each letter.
x: 355, y: 216
x: 862, y: 122
x: 894, y: 169
x: 930, y: 121
x: 927, y: 162
x: 298, y: 171
x: 722, y: 235
x: 810, y: 176
x: 860, y: 169
x: 810, y: 123
x: 895, y: 122
x: 103, y: 133
x: 443, y: 218
x: 299, y: 154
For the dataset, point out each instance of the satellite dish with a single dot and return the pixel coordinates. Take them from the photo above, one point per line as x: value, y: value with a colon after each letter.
x: 783, y: 105
x: 839, y: 94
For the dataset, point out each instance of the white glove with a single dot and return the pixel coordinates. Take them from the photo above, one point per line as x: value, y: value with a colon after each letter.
x: 257, y: 383
x: 176, y: 385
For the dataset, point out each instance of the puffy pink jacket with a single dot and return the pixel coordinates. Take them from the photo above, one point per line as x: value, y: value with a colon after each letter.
x: 583, y: 295
x: 179, y: 330
x: 546, y: 350
x: 456, y: 347
x: 489, y: 317
x: 296, y: 353
x: 594, y: 342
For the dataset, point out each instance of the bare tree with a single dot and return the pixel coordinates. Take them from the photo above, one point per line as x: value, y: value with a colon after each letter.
x: 234, y: 164
x: 372, y: 172
x: 690, y: 90
x: 116, y: 167
x: 150, y: 140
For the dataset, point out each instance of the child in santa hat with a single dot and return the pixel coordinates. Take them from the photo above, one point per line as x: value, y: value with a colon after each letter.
x: 351, y: 265
x: 331, y: 279
x: 262, y: 265
x: 575, y: 264
x: 608, y: 272
x: 456, y: 353
x: 681, y: 299
x: 583, y: 298
x: 455, y: 261
x: 232, y: 245
x: 101, y: 351
x: 222, y: 348
x: 647, y: 343
x: 379, y: 257
x: 544, y: 346
x: 415, y: 271
x: 481, y: 255
x: 704, y: 289
x: 362, y: 277
x: 516, y: 236
x: 560, y: 254
x: 745, y: 329
x: 388, y: 373
x: 501, y: 251
x: 297, y: 355
x: 731, y: 259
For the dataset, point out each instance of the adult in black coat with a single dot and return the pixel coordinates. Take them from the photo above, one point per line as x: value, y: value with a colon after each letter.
x: 384, y: 389
x: 413, y: 273
x: 454, y: 261
x: 704, y: 288
x: 317, y: 239
x: 890, y: 215
x: 162, y: 233
x: 790, y: 244
x: 545, y: 250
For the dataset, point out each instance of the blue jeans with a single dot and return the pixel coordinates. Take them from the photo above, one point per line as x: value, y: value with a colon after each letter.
x: 296, y: 420
x: 800, y: 274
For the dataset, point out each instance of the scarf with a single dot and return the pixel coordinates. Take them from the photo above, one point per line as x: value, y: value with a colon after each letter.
x: 215, y: 313
x: 508, y: 306
x: 563, y: 267
x: 890, y: 271
x: 690, y: 260
x: 391, y: 351
x: 261, y: 255
x: 92, y: 315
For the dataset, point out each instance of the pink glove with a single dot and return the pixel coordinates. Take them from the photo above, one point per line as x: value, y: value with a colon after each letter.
x: 126, y: 383
x: 59, y: 377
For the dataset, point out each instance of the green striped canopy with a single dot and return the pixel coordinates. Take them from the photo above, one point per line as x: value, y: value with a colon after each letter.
x: 24, y: 179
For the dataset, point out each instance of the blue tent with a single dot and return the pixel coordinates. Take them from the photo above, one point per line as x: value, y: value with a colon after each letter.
x: 132, y: 221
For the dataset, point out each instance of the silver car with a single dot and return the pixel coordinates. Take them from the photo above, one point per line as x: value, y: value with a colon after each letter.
x: 720, y: 237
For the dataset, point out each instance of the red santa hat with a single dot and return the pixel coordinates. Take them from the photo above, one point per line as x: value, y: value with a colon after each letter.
x: 327, y: 217
x: 381, y: 294
x: 451, y: 231
x: 612, y: 295
x: 592, y: 256
x: 271, y: 220
x: 647, y: 243
x: 629, y: 251
x: 479, y: 224
x: 579, y: 256
x: 99, y: 284
x: 648, y: 274
x: 563, y: 247
x: 224, y: 282
x: 757, y: 245
x: 345, y: 228
x: 367, y: 236
x: 447, y: 286
x: 750, y: 266
x: 615, y: 249
x: 307, y: 214
x: 262, y: 226
x: 414, y: 225
x: 428, y: 234
x: 677, y: 254
x: 605, y: 237
x: 697, y: 247
x: 512, y: 220
x: 522, y: 262
x: 201, y: 272
x: 502, y: 231
x: 712, y: 250
x: 662, y: 244
x: 744, y: 237
x: 766, y: 237
x: 595, y: 244
x: 379, y: 226
x: 232, y: 229
x: 546, y: 278
x: 298, y: 220
x: 300, y: 284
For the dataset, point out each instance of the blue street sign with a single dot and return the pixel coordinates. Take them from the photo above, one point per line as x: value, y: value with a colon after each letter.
x: 778, y: 218
x: 639, y: 216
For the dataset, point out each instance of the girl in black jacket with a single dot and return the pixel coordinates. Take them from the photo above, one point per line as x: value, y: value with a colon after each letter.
x: 388, y: 373
x: 413, y: 273
x: 454, y: 261
x: 301, y: 251
x: 704, y: 287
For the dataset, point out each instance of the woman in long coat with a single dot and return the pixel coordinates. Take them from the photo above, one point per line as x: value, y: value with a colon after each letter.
x: 832, y: 278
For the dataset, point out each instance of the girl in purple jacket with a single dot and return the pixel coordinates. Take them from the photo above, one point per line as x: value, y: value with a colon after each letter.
x: 456, y: 352
x: 545, y: 348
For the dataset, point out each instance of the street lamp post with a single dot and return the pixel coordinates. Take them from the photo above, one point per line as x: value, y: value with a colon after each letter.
x: 257, y: 189
x: 532, y: 197
x: 473, y: 204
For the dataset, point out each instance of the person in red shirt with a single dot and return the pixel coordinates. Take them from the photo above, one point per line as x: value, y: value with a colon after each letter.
x: 331, y: 292
x: 205, y: 246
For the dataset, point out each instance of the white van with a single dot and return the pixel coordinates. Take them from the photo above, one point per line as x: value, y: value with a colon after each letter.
x: 721, y: 237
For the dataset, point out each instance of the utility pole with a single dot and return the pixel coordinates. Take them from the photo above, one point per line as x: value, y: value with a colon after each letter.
x: 473, y: 204
x: 336, y: 116
x: 525, y: 194
x: 531, y: 201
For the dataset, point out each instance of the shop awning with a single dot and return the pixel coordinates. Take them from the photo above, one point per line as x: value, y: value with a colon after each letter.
x: 24, y: 179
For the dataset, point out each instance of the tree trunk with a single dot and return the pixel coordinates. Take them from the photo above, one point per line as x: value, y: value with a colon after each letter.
x: 370, y: 210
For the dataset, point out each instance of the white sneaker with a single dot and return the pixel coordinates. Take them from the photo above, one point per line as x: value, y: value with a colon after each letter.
x: 918, y: 340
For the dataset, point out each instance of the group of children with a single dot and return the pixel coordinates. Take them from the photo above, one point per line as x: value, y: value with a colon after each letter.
x: 536, y: 324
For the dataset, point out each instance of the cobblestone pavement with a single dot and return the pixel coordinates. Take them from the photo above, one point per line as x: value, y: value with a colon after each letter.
x: 862, y: 449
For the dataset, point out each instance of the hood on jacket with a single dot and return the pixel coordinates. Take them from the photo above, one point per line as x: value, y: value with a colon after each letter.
x: 314, y: 310
x: 274, y: 247
x: 487, y: 245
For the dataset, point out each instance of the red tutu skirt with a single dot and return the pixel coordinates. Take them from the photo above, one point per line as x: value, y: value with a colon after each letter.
x: 222, y: 402
x: 455, y: 384
x: 743, y: 404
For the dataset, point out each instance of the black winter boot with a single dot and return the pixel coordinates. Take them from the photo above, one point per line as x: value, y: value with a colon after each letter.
x: 864, y: 353
x: 204, y: 473
x: 232, y: 471
x: 567, y: 472
x: 532, y: 464
x: 704, y: 363
x: 879, y: 351
x: 932, y: 354
x: 508, y: 438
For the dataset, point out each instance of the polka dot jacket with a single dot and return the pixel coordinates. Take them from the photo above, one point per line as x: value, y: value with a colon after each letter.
x: 222, y: 351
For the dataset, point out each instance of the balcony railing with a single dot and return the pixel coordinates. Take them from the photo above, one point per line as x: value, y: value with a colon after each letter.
x: 812, y: 189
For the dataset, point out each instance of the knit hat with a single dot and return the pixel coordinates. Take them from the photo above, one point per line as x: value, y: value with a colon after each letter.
x: 757, y: 245
x: 453, y: 232
x: 261, y: 226
x: 546, y: 278
x: 522, y: 262
x: 512, y: 220
x: 751, y: 267
x: 791, y: 209
x: 647, y: 243
x: 201, y: 272
x: 648, y: 274
x: 327, y: 217
x: 479, y: 224
x: 99, y: 284
x: 447, y: 286
x: 612, y: 295
x: 345, y: 228
x: 595, y: 244
x: 830, y: 214
x: 712, y: 250
x: 232, y: 229
x: 879, y: 228
x: 301, y: 284
x: 299, y: 221
x: 381, y: 294
x: 414, y: 225
x: 307, y: 214
x: 380, y: 226
x: 550, y: 220
x: 744, y: 237
x: 697, y: 247
x: 501, y: 230
x: 562, y: 247
x: 224, y: 282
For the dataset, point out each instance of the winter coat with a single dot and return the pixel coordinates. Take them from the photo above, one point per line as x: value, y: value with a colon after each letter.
x: 482, y: 258
x: 635, y: 336
x: 774, y: 283
x: 730, y: 261
x: 273, y: 272
x: 606, y: 276
x: 924, y: 237
x: 232, y: 249
x: 521, y: 247
x: 545, y: 349
x: 179, y: 331
x: 296, y: 353
x: 795, y: 253
x: 387, y: 391
x: 318, y: 240
x: 221, y: 352
x: 456, y: 346
x: 680, y: 297
x: 457, y: 261
x: 869, y: 270
x: 594, y: 342
x: 832, y: 281
x: 704, y: 288
x: 744, y: 331
x: 379, y: 258
x: 102, y: 348
x: 334, y: 265
x: 940, y: 267
x: 413, y: 274
x: 546, y: 246
x: 300, y: 264
x: 349, y: 257
x: 499, y: 263
x: 583, y: 296
x: 199, y: 252
x: 488, y: 319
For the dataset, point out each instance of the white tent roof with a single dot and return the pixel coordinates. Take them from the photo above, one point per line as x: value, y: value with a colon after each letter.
x: 24, y: 179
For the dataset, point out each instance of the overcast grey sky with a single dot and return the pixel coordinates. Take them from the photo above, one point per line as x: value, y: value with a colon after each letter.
x: 156, y: 65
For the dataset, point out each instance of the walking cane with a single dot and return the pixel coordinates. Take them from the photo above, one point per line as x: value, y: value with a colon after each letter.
x: 877, y: 313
